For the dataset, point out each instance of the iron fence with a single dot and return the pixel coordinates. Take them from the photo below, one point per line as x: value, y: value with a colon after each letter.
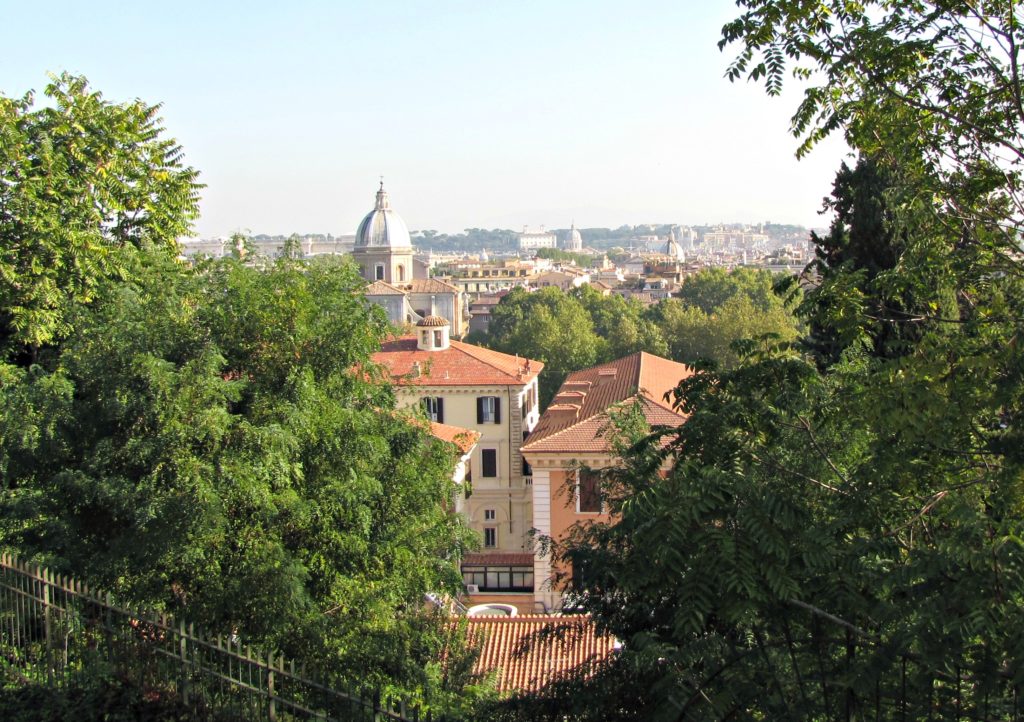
x: 53, y: 627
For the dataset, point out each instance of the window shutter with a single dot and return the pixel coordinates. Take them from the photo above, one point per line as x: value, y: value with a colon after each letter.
x: 480, y: 409
x: 440, y: 410
x: 497, y: 409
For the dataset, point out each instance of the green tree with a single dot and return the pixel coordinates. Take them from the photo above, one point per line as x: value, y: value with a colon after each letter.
x: 84, y: 185
x: 838, y: 532
x: 709, y: 289
x: 215, y: 444
x: 292, y: 247
x: 932, y: 88
x: 716, y: 309
x: 548, y: 326
x: 621, y: 322
x: 694, y: 335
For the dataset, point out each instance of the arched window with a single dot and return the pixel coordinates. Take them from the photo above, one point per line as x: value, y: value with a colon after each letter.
x: 401, y: 272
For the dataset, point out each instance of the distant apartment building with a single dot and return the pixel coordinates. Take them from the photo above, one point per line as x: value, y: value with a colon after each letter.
x: 480, y: 312
x: 734, y: 238
x: 532, y: 240
x: 478, y: 278
x: 565, y: 279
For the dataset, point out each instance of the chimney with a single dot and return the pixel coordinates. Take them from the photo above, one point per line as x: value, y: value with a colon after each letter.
x: 563, y: 413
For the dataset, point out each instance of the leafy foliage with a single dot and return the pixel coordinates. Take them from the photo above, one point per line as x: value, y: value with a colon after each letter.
x: 209, y: 444
x: 835, y: 532
x: 84, y: 184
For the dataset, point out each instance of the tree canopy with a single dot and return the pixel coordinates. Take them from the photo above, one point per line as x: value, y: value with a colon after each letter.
x: 84, y: 184
x: 835, y: 532
x: 212, y: 439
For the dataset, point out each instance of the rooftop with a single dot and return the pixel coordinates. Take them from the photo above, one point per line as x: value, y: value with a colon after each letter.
x: 522, y: 666
x: 578, y: 415
x: 461, y: 364
x: 464, y: 439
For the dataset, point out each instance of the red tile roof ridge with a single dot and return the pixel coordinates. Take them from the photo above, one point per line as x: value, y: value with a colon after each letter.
x: 553, y: 437
x: 638, y: 374
x: 461, y: 364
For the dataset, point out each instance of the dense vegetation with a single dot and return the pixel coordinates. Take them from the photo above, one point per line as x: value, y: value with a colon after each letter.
x: 211, y: 441
x: 839, y: 531
x: 575, y: 330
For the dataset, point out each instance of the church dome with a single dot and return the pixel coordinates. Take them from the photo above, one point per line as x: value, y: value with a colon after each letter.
x: 382, y: 227
x: 574, y: 241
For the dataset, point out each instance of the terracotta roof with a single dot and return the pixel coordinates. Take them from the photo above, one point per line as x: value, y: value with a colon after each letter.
x: 382, y: 288
x: 525, y: 664
x: 514, y: 559
x: 461, y: 364
x: 432, y: 321
x: 578, y: 415
x: 464, y: 439
x: 429, y: 285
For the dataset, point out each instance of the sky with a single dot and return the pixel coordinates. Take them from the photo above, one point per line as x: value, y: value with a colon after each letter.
x: 477, y: 114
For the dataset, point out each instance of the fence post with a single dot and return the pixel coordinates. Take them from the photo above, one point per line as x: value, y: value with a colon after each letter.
x: 271, y: 706
x: 183, y: 655
x: 45, y: 577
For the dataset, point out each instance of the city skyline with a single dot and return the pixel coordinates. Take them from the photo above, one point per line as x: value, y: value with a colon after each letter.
x: 496, y: 117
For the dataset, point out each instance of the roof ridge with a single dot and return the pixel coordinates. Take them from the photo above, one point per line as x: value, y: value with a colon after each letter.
x: 570, y: 427
x: 472, y: 350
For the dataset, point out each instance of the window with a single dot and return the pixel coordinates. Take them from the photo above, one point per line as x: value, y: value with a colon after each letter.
x: 401, y: 272
x: 490, y: 537
x: 379, y: 272
x: 527, y: 470
x: 438, y: 336
x: 489, y: 462
x: 434, y: 406
x: 488, y: 514
x: 498, y: 578
x: 488, y: 410
x: 580, y: 574
x: 588, y: 492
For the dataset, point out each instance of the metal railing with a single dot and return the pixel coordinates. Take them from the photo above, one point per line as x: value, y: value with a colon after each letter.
x: 52, y: 627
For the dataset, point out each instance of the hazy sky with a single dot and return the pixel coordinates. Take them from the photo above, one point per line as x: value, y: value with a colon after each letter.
x: 477, y: 113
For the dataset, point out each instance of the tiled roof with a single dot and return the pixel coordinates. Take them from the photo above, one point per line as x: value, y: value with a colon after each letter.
x: 382, y: 288
x: 577, y: 416
x: 461, y: 364
x: 432, y: 322
x: 429, y: 285
x: 528, y: 665
x: 513, y: 559
x: 591, y: 435
x: 464, y: 439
